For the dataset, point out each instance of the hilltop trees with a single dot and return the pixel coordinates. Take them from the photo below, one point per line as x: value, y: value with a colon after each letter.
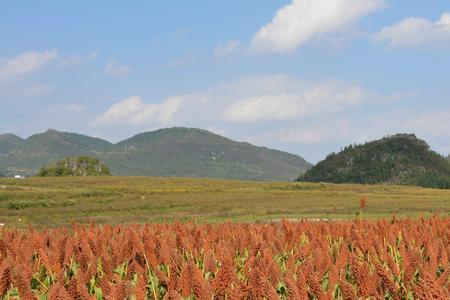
x: 398, y: 159
x: 75, y: 166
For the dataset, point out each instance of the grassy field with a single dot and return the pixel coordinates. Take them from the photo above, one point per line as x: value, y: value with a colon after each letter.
x: 45, y: 202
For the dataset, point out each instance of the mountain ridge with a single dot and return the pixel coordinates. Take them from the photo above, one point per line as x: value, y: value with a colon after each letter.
x: 177, y: 151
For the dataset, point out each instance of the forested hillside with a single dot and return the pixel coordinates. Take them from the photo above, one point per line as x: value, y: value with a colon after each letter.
x: 398, y: 159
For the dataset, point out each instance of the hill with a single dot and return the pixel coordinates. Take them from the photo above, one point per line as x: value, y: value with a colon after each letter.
x: 199, y: 153
x: 181, y: 152
x: 398, y: 159
x: 8, y: 142
x: 48, y: 147
x: 75, y: 166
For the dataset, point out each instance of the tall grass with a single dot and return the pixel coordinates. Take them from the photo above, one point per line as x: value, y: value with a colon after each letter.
x: 50, y: 202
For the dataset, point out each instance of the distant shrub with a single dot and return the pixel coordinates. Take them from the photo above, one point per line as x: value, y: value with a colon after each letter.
x: 75, y: 166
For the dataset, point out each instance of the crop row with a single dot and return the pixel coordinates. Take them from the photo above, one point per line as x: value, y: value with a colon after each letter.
x: 395, y: 259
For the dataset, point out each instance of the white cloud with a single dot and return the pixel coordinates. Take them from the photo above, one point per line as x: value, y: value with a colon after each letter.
x: 314, y: 132
x: 225, y: 49
x: 75, y: 108
x: 323, y: 98
x: 135, y: 111
x: 163, y: 112
x: 118, y: 70
x: 416, y: 33
x: 315, y: 135
x: 426, y: 124
x: 78, y: 59
x: 25, y: 63
x: 303, y: 21
x: 120, y: 111
x: 432, y: 125
x: 255, y: 100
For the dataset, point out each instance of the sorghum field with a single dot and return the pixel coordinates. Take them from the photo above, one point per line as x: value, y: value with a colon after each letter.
x: 395, y: 259
x: 179, y: 238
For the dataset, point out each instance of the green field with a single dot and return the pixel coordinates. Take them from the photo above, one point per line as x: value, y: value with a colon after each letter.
x: 45, y: 202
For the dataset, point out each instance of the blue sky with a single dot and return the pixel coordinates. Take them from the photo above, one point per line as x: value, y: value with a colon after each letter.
x: 304, y: 76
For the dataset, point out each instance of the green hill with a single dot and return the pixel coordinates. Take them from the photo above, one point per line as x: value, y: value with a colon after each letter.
x: 9, y: 142
x: 182, y: 152
x: 48, y: 147
x: 399, y: 159
x: 199, y: 153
